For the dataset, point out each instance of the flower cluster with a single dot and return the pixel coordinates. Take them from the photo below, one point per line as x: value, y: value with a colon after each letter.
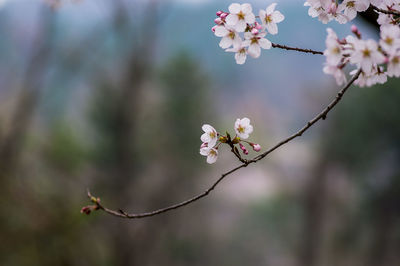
x: 241, y: 19
x: 327, y: 10
x: 377, y: 61
x: 212, y: 140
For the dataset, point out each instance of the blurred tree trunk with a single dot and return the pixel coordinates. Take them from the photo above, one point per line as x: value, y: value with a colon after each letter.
x: 314, y: 213
x: 32, y: 85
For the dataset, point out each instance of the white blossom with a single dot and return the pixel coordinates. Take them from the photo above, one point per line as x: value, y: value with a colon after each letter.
x: 334, y: 51
x: 210, y: 135
x: 211, y: 153
x: 243, y: 128
x: 351, y: 7
x: 229, y: 37
x: 390, y: 38
x: 255, y: 43
x: 393, y: 68
x: 240, y: 16
x: 366, y: 55
x: 240, y: 53
x: 270, y: 17
x: 337, y: 73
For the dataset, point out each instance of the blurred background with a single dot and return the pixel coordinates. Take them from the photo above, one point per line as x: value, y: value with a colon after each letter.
x: 111, y: 96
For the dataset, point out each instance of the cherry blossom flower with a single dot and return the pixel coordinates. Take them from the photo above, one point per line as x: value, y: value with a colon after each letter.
x: 210, y: 136
x: 270, y: 17
x: 240, y: 53
x: 243, y: 128
x: 351, y: 7
x: 229, y: 37
x: 255, y: 43
x: 337, y: 73
x: 211, y: 153
x: 333, y: 52
x: 240, y: 16
x: 390, y: 38
x: 393, y: 68
x: 366, y: 54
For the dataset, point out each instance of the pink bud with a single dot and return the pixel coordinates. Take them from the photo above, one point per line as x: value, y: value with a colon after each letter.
x: 256, y: 147
x: 354, y: 29
x: 224, y: 15
x: 254, y: 31
x: 213, y: 28
x: 257, y: 26
x: 243, y: 148
x: 218, y: 21
x: 86, y: 210
x: 219, y: 13
x: 386, y: 60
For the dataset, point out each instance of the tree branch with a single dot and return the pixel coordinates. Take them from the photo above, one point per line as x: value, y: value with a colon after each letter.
x: 320, y: 116
x: 388, y: 12
x: 275, y: 45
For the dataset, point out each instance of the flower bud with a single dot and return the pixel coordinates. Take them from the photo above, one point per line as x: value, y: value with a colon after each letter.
x: 218, y: 21
x: 254, y: 31
x: 219, y: 13
x: 224, y: 15
x: 245, y: 151
x: 86, y: 210
x: 223, y: 139
x: 257, y: 26
x: 213, y: 28
x: 256, y: 147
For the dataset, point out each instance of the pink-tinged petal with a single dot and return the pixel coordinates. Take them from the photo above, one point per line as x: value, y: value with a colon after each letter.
x: 250, y: 18
x: 254, y: 50
x: 204, y: 151
x: 234, y: 8
x: 221, y: 31
x: 232, y: 20
x: 205, y: 137
x: 272, y: 28
x: 225, y: 42
x: 240, y: 26
x: 240, y: 58
x: 212, y: 156
x: 264, y: 43
x: 271, y: 8
x: 207, y: 128
x: 246, y: 8
x: 277, y: 17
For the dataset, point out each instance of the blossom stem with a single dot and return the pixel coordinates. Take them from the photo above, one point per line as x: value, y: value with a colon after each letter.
x: 320, y: 116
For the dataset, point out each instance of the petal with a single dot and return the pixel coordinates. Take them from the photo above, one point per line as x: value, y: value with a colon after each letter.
x: 237, y: 42
x: 250, y: 18
x: 207, y: 128
x: 225, y: 42
x: 271, y: 8
x: 264, y: 43
x: 205, y: 138
x: 232, y: 20
x: 221, y: 31
x: 272, y: 28
x: 262, y: 15
x: 245, y: 121
x: 240, y: 26
x: 240, y: 58
x: 234, y: 8
x: 254, y: 50
x: 205, y: 151
x: 277, y: 17
x: 246, y: 8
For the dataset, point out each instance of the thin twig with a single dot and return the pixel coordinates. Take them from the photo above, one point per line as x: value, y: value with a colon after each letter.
x: 320, y: 116
x: 280, y: 46
x: 388, y: 12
